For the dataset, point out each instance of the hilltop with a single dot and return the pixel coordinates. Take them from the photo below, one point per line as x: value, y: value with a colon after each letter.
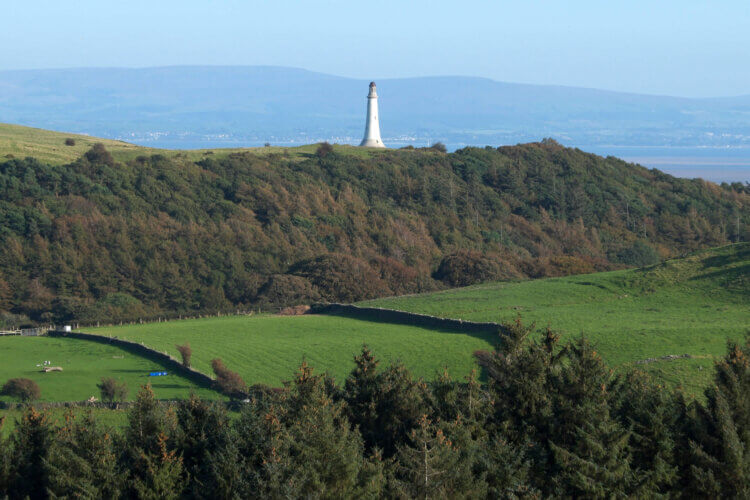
x: 133, y: 233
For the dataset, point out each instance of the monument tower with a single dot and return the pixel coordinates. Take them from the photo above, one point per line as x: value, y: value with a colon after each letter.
x: 372, y: 129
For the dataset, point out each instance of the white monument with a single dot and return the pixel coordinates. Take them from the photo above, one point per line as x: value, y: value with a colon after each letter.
x: 372, y: 129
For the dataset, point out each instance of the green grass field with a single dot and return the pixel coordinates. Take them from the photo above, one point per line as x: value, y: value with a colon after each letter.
x: 17, y: 141
x: 267, y: 349
x: 84, y: 364
x: 684, y: 306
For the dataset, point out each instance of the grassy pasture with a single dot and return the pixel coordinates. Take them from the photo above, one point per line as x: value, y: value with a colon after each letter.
x: 267, y: 349
x: 684, y: 306
x: 84, y: 364
x: 49, y: 147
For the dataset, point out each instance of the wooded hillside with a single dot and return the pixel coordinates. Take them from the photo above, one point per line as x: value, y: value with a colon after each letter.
x: 99, y: 239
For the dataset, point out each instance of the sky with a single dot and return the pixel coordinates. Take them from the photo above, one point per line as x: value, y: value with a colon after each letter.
x: 683, y: 48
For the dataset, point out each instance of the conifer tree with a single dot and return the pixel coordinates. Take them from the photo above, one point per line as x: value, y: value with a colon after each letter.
x: 590, y: 448
x: 209, y: 454
x: 431, y: 465
x: 154, y: 469
x: 717, y: 449
x: 315, y: 450
x: 651, y: 412
x: 31, y: 442
x: 82, y: 461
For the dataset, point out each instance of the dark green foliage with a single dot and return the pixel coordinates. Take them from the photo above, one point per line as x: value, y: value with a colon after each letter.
x: 83, y: 461
x: 70, y: 142
x: 589, y: 447
x: 552, y: 422
x: 23, y: 389
x: 209, y: 453
x: 30, y: 447
x: 112, y: 390
x: 717, y: 452
x: 99, y: 240
x: 638, y: 254
x: 385, y: 405
x: 154, y: 470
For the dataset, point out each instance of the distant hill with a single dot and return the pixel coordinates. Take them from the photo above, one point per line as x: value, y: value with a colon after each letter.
x: 137, y: 233
x: 212, y: 106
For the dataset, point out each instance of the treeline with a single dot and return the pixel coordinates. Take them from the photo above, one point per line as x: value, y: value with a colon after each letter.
x: 551, y: 422
x: 105, y: 240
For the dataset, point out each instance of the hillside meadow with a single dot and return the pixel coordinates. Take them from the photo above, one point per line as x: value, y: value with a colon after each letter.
x: 682, y: 306
x: 267, y: 349
x: 84, y: 364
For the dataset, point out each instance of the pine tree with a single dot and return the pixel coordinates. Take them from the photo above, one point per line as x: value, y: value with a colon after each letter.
x: 315, y: 450
x: 154, y: 470
x: 431, y: 465
x: 82, y: 461
x: 209, y: 454
x: 590, y: 448
x: 31, y: 442
x: 360, y: 392
x: 716, y: 447
x: 651, y: 412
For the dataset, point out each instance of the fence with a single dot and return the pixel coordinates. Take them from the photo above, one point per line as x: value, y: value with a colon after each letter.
x: 405, y: 318
x: 192, y: 374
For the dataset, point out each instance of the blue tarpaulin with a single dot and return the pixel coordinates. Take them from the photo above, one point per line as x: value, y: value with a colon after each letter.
x: 157, y: 374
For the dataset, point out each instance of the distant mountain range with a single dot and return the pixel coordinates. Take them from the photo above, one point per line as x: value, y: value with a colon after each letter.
x: 214, y: 106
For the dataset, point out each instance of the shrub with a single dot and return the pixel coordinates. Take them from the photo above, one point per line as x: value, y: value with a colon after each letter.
x: 70, y: 142
x: 324, y: 150
x: 467, y: 267
x: 98, y: 154
x: 113, y: 391
x: 439, y: 147
x: 287, y: 290
x: 228, y: 382
x: 638, y: 254
x: 23, y: 389
x: 186, y: 352
x: 341, y: 277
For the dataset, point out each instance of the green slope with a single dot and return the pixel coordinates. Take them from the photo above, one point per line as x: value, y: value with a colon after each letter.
x: 268, y: 349
x: 683, y: 306
x: 84, y: 363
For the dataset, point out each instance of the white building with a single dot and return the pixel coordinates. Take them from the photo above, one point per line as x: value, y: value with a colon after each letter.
x: 372, y: 129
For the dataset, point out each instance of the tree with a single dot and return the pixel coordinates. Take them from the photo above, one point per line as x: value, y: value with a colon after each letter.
x: 589, y: 447
x: 70, y: 142
x: 154, y: 470
x: 228, y: 382
x: 209, y: 451
x: 23, y: 389
x: 715, y: 451
x: 186, y: 352
x: 30, y: 445
x: 112, y: 390
x: 99, y: 155
x: 83, y: 460
x: 430, y: 465
x: 439, y: 147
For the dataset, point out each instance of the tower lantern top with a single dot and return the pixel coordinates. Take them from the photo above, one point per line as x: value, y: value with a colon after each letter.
x: 373, y: 92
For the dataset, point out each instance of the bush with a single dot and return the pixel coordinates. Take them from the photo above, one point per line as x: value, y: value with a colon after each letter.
x: 638, y: 254
x: 228, y: 382
x: 467, y: 267
x: 186, y: 352
x: 341, y: 277
x: 287, y: 290
x: 113, y: 391
x: 70, y: 142
x: 98, y: 154
x: 439, y: 147
x: 324, y: 150
x: 23, y: 389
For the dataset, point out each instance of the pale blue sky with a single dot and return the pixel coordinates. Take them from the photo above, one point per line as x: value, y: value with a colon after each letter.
x: 685, y: 47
